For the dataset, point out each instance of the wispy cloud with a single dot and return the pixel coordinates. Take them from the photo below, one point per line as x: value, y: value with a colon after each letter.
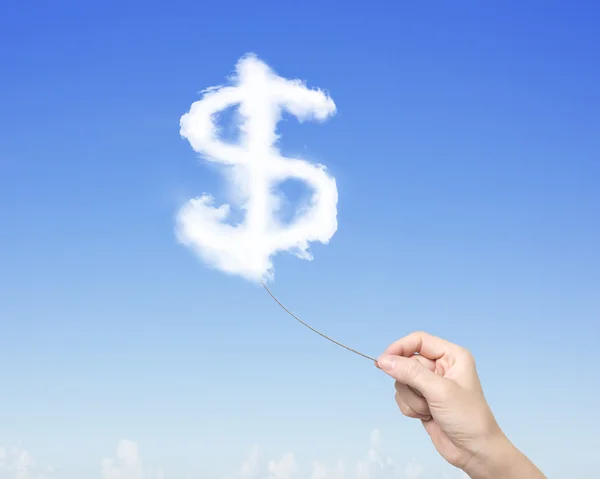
x: 375, y: 464
x: 254, y: 168
x: 127, y: 463
x: 18, y: 463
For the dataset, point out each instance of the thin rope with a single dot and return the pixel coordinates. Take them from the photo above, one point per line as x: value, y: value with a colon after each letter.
x: 313, y: 329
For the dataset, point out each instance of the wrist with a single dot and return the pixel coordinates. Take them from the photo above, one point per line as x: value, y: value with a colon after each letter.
x: 500, y: 459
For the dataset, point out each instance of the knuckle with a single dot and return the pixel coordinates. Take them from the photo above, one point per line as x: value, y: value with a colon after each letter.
x: 407, y: 411
x: 413, y: 369
x: 413, y: 401
x: 400, y: 388
x: 467, y: 355
x: 418, y: 334
x: 421, y: 408
x: 404, y: 408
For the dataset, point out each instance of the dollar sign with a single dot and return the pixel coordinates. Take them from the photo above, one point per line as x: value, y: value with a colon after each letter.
x: 256, y: 167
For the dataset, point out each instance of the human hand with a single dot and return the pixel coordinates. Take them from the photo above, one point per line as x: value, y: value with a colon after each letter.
x: 437, y: 382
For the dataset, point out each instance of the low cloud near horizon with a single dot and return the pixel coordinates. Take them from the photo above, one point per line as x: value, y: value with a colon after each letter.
x: 17, y: 463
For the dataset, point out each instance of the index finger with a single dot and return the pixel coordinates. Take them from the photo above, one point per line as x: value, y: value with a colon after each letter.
x: 420, y: 342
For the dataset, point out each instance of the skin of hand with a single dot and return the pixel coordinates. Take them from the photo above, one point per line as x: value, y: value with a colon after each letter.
x: 437, y: 383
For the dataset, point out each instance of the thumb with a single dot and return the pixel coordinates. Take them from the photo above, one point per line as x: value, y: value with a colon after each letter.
x: 412, y: 373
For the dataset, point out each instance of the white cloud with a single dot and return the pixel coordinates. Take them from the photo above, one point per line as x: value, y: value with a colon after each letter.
x: 285, y: 468
x: 18, y: 463
x: 321, y: 471
x: 250, y: 466
x: 376, y: 464
x: 413, y: 469
x: 255, y: 167
x: 127, y: 464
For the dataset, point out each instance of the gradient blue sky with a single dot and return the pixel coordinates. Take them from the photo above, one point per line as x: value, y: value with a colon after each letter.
x: 466, y: 150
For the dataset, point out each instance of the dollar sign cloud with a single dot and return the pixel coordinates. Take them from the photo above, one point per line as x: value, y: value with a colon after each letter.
x: 256, y: 167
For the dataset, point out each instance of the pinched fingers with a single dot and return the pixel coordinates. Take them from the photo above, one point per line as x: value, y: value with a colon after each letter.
x: 427, y: 345
x: 444, y: 354
x: 410, y: 401
x: 428, y: 363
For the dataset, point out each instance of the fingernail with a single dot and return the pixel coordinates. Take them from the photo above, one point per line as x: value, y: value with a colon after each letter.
x: 386, y: 362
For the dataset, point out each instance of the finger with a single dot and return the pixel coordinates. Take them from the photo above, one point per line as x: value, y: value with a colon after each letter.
x: 415, y: 401
x: 409, y: 411
x: 412, y: 373
x: 428, y: 363
x: 420, y: 342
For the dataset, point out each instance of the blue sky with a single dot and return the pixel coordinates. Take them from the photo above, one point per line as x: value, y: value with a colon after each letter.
x: 465, y: 149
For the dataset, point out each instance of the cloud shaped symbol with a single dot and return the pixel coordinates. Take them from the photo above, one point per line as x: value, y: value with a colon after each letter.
x: 256, y: 168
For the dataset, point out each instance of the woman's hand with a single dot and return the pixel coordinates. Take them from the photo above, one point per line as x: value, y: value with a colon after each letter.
x: 437, y: 382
